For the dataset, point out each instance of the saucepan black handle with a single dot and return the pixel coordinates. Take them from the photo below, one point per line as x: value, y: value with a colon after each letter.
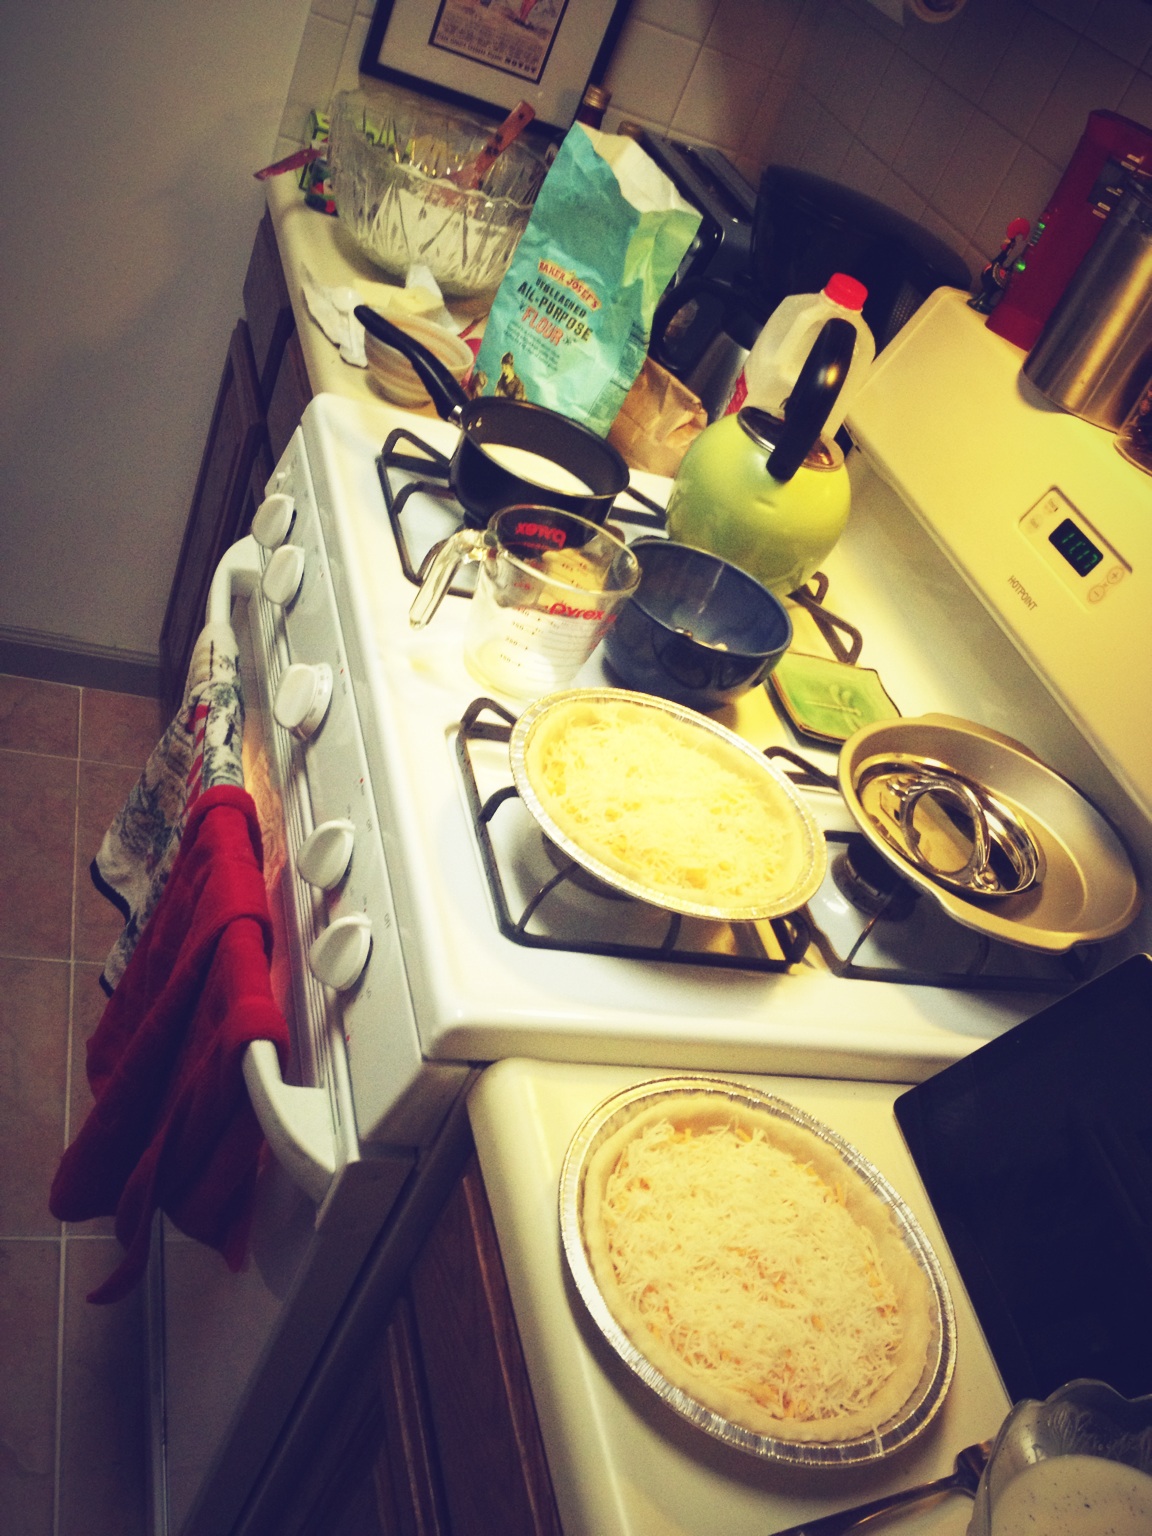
x: 447, y: 395
x: 811, y: 401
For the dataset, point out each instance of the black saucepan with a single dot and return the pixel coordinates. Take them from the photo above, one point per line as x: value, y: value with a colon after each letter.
x: 484, y: 485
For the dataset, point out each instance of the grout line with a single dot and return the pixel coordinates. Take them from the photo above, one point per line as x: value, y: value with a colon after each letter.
x: 69, y: 1051
x: 75, y: 846
x: 58, y: 1463
x: 57, y: 1460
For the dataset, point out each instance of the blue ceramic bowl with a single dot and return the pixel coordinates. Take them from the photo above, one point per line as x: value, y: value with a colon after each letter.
x: 697, y: 630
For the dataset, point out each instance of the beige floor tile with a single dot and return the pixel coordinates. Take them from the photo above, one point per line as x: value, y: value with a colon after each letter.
x: 39, y: 717
x: 33, y: 1063
x: 103, y: 790
x: 118, y: 727
x: 38, y: 794
x: 102, y: 1433
x: 29, y: 1287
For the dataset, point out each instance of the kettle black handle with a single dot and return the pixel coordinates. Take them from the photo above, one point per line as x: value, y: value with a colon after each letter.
x: 811, y: 401
x: 447, y: 395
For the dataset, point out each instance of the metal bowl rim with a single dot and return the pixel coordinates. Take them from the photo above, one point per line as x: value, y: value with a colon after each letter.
x: 970, y: 911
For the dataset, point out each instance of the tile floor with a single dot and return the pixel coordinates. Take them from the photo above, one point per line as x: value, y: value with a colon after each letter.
x: 72, y: 1420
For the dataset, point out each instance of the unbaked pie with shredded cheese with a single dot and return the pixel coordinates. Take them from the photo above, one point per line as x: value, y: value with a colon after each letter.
x: 756, y: 1270
x: 667, y: 804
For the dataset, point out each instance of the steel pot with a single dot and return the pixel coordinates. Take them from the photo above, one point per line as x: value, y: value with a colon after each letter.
x: 482, y: 484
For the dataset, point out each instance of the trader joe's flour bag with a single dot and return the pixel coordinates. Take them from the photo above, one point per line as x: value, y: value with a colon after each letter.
x: 570, y: 323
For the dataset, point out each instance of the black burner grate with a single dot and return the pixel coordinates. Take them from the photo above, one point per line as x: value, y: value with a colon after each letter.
x: 410, y: 468
x: 545, y: 901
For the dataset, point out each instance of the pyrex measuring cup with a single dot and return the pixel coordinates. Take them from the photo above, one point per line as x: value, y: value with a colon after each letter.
x: 549, y: 585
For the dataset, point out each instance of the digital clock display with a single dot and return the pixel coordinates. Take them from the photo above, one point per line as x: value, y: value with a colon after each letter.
x: 1079, y: 550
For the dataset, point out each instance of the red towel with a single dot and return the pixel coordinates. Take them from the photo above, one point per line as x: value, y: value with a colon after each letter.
x: 172, y: 1127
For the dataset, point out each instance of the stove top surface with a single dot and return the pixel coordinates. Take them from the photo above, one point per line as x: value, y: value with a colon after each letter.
x: 480, y: 993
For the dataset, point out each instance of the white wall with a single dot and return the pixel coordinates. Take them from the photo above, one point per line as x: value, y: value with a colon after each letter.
x: 131, y: 129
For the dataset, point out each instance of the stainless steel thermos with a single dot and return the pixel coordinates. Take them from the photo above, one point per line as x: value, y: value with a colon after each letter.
x: 1094, y: 355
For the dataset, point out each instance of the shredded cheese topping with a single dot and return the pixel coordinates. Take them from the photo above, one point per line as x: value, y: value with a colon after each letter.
x: 633, y: 789
x: 750, y: 1268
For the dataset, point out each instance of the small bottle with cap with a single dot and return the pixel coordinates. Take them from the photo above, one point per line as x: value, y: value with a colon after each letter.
x: 782, y: 347
x: 593, y: 106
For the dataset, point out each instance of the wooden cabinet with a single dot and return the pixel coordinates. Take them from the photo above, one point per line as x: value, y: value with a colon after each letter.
x: 263, y: 391
x: 494, y: 1474
x: 437, y: 1435
x: 221, y: 507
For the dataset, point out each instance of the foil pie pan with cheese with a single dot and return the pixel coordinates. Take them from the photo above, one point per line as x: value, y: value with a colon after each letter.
x: 756, y: 1273
x: 667, y: 805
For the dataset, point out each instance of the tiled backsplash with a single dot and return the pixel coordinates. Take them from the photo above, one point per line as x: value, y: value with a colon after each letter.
x: 962, y: 125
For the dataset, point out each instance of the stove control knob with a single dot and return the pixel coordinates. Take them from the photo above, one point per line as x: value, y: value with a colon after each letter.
x: 272, y: 519
x: 283, y: 574
x: 302, y: 697
x: 340, y: 953
x: 325, y: 854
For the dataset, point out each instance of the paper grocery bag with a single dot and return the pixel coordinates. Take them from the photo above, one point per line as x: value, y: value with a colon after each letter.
x: 658, y: 421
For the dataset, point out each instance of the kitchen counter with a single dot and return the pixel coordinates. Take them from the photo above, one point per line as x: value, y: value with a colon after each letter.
x: 619, y: 1466
x: 316, y: 243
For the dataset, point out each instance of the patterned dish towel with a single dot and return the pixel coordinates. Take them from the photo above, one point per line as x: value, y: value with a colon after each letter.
x: 200, y: 750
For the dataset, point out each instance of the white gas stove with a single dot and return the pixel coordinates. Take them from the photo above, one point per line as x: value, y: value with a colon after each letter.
x: 408, y: 970
x: 477, y: 994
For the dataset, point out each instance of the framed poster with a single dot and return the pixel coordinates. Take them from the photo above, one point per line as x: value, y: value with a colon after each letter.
x: 488, y: 55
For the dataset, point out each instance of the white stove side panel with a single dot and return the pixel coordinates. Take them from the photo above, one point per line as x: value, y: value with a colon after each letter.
x: 398, y: 1100
x: 948, y: 420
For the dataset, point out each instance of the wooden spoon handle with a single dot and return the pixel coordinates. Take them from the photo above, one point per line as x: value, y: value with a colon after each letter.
x: 472, y: 173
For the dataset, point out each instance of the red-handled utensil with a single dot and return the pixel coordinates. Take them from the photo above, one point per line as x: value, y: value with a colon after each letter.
x: 291, y: 162
x: 472, y: 172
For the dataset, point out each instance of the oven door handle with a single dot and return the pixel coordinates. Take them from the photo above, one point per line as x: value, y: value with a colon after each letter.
x: 297, y: 1122
x: 237, y: 573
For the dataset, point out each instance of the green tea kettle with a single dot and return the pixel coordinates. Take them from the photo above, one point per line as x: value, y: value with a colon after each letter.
x: 769, y: 495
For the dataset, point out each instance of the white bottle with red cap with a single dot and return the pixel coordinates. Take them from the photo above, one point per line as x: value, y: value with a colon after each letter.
x: 779, y: 352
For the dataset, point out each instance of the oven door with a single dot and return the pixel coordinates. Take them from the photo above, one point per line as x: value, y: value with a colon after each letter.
x: 230, y: 1353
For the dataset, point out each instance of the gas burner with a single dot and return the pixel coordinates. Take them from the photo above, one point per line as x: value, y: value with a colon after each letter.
x: 423, y: 510
x: 871, y: 883
x: 583, y: 878
x: 544, y: 900
x: 868, y: 923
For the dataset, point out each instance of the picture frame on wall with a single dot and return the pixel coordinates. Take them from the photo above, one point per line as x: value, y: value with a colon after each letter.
x: 489, y: 55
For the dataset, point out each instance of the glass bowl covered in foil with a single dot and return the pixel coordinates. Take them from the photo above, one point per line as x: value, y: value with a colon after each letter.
x: 391, y: 157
